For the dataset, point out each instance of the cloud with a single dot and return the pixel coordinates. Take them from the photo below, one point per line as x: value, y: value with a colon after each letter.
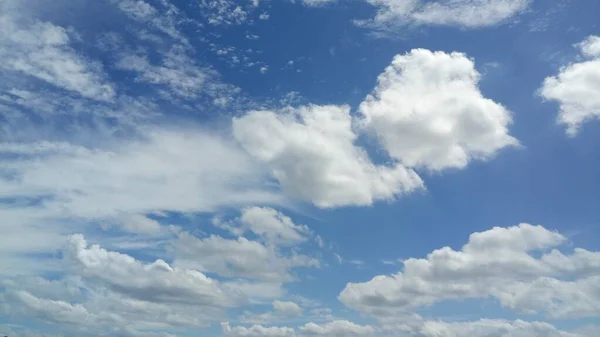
x: 268, y: 225
x: 500, y: 263
x: 317, y: 3
x: 119, y: 182
x: 283, y: 311
x: 155, y: 282
x: 42, y: 50
x: 256, y: 331
x: 577, y: 87
x: 311, y: 152
x: 227, y: 12
x: 110, y: 291
x: 481, y: 328
x: 337, y: 329
x: 428, y: 112
x: 238, y: 258
x: 393, y: 14
x: 165, y: 19
x: 287, y: 308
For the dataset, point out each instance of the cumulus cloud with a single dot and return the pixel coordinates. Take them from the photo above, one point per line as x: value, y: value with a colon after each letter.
x: 392, y: 14
x: 340, y: 328
x: 287, y: 308
x: 428, y: 112
x: 500, y: 263
x: 311, y: 151
x: 238, y: 258
x: 256, y: 331
x: 269, y: 225
x: 576, y: 88
x: 157, y: 281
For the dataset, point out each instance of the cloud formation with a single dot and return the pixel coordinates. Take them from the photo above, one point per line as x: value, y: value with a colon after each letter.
x: 392, y: 14
x: 500, y: 263
x: 576, y: 88
x: 428, y: 112
x: 311, y: 151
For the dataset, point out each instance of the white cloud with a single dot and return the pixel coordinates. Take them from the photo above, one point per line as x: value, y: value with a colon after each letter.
x: 500, y: 263
x: 117, y: 181
x: 227, y: 12
x: 311, y: 152
x: 428, y: 112
x: 269, y: 225
x: 287, y: 308
x: 42, y: 50
x: 481, y: 328
x: 84, y: 308
x: 283, y: 311
x: 256, y: 331
x: 337, y: 329
x: 577, y: 88
x: 176, y: 71
x: 392, y: 14
x: 238, y: 258
x: 48, y: 310
x: 165, y: 19
x: 317, y: 3
x: 162, y: 169
x: 155, y: 282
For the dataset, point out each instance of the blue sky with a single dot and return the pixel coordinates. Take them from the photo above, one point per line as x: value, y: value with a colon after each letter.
x: 279, y: 168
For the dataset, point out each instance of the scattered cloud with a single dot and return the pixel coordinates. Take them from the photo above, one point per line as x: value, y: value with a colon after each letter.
x: 256, y: 331
x: 500, y: 263
x: 337, y: 329
x: 392, y: 14
x: 311, y: 152
x: 42, y: 51
x: 270, y: 225
x: 576, y: 88
x: 427, y: 112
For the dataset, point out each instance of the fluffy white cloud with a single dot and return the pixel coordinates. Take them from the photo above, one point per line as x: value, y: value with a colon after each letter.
x: 501, y: 263
x: 577, y: 87
x: 461, y: 13
x: 269, y: 225
x: 337, y: 329
x: 157, y: 281
x: 427, y: 111
x: 42, y: 50
x: 256, y: 331
x: 311, y: 152
x: 238, y: 258
x: 287, y: 308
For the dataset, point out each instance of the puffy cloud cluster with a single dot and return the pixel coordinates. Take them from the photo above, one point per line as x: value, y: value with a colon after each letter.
x: 268, y: 224
x: 311, y: 151
x: 426, y: 112
x: 502, y: 263
x: 577, y: 87
x: 238, y: 258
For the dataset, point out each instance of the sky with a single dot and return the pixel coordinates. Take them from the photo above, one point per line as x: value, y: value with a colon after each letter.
x: 281, y: 168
